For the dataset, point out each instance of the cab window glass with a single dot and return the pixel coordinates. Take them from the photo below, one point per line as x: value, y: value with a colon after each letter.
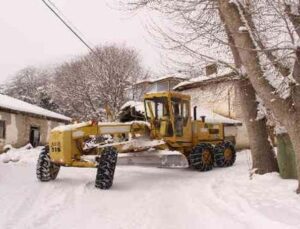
x: 157, y: 106
x: 177, y: 107
x: 186, y: 110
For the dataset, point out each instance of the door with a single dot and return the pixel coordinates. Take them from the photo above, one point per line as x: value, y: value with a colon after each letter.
x: 34, y: 136
x: 181, y: 113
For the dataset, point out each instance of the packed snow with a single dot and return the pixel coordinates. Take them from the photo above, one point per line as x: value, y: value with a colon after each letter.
x: 8, y: 102
x: 146, y: 197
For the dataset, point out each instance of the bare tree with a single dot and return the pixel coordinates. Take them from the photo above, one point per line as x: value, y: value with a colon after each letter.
x: 31, y: 85
x: 91, y: 83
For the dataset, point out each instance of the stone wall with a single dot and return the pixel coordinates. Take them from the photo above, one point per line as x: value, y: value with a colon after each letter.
x: 18, y: 128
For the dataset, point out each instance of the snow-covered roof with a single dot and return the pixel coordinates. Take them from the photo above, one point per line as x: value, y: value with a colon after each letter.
x: 166, y: 77
x: 194, y: 82
x: 10, y: 103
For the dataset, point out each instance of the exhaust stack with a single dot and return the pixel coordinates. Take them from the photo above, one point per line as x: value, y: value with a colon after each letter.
x: 195, y: 113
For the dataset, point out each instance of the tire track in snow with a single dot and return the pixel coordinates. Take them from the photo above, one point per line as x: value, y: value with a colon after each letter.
x: 144, y: 197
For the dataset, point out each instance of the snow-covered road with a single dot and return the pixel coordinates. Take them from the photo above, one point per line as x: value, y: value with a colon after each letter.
x: 144, y: 197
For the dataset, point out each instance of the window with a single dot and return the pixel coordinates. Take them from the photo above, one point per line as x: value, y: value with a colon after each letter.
x: 2, y: 129
x: 181, y: 111
x: 158, y: 107
x: 178, y: 116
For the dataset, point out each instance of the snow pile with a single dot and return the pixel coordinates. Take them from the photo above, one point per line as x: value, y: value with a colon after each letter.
x: 138, y: 106
x: 8, y: 102
x: 24, y: 155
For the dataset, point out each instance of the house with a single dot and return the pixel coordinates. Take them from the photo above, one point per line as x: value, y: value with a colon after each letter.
x: 165, y: 83
x: 22, y: 123
x: 217, y: 91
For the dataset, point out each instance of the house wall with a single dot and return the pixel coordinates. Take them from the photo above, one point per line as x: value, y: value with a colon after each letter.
x: 222, y: 98
x: 164, y: 85
x: 18, y: 128
x: 136, y: 92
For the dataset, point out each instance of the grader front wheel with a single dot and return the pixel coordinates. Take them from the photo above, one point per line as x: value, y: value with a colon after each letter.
x: 45, y: 169
x: 224, y: 154
x: 106, y: 168
x: 201, y: 157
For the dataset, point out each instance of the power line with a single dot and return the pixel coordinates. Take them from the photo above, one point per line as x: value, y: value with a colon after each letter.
x: 70, y: 28
x: 69, y: 22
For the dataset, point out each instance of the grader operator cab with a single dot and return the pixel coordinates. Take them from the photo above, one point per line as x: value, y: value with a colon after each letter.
x: 168, y: 125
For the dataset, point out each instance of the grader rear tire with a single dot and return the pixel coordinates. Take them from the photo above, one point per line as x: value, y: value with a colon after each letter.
x: 201, y: 158
x: 224, y: 154
x: 45, y: 169
x: 106, y: 168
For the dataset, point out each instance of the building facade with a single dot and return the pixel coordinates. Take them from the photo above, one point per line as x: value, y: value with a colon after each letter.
x: 22, y: 123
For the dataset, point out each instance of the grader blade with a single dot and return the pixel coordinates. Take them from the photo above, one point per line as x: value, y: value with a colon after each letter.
x: 145, y: 152
x: 157, y: 158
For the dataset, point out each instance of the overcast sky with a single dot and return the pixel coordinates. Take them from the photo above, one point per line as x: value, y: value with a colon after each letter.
x: 32, y: 35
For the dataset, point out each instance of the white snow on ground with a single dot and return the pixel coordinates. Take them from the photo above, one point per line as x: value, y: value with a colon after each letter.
x: 22, y: 155
x: 146, y: 197
x: 18, y: 105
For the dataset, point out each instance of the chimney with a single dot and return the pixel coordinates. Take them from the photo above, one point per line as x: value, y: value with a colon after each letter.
x: 211, y: 69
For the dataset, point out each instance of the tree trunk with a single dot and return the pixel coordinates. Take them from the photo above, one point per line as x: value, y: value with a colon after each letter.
x: 293, y: 129
x: 285, y: 110
x: 263, y: 155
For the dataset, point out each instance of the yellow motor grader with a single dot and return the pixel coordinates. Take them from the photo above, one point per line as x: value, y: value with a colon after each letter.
x: 168, y: 125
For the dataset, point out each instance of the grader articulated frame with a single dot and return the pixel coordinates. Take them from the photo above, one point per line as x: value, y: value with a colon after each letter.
x: 168, y: 125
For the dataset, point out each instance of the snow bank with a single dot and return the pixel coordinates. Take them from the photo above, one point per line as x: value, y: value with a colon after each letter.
x: 8, y: 102
x: 24, y: 155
